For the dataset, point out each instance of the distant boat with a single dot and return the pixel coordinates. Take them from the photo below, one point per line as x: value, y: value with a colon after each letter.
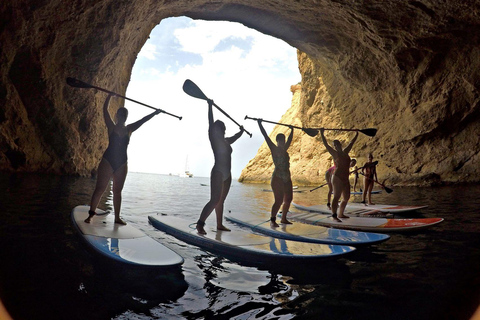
x: 187, y: 171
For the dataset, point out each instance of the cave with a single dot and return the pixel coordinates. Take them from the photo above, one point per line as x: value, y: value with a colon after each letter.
x: 409, y: 68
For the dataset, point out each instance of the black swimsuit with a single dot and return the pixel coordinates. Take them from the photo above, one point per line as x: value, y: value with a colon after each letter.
x: 116, y: 153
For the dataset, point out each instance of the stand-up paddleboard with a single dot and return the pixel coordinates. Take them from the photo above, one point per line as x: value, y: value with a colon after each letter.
x: 349, y: 212
x: 373, y: 224
x: 393, y: 208
x: 306, y: 233
x: 122, y: 243
x: 247, y: 246
x: 360, y: 192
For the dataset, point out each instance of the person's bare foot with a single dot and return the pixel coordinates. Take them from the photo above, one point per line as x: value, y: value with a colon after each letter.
x: 200, y: 228
x: 273, y: 223
x: 90, y: 216
x: 286, y: 222
x: 344, y: 217
x: 222, y: 228
x: 334, y: 216
x: 120, y: 221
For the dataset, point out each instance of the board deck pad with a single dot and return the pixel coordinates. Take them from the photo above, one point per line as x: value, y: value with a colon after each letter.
x: 373, y: 224
x: 247, y: 246
x: 123, y: 243
x: 305, y: 232
x: 365, y: 212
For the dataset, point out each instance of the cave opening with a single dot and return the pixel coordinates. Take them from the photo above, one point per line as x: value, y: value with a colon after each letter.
x: 244, y: 71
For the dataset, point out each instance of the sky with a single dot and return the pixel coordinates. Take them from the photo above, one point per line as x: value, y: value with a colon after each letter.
x: 244, y: 71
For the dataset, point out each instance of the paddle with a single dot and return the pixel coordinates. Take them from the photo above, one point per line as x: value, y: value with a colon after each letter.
x: 193, y: 90
x: 365, y: 166
x: 311, y: 132
x: 371, y: 132
x: 323, y: 185
x: 387, y: 189
x: 80, y: 84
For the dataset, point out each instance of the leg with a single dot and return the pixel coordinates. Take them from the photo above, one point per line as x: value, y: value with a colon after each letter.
x: 104, y: 174
x: 287, y: 200
x: 278, y: 194
x: 337, y: 192
x: 365, y: 186
x: 370, y: 188
x: 216, y: 185
x: 345, y: 198
x: 119, y: 177
x: 328, y: 178
x: 219, y: 206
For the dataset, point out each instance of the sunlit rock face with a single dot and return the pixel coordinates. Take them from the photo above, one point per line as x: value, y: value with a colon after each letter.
x: 408, y: 68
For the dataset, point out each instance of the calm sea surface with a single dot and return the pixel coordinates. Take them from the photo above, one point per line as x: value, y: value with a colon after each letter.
x: 46, y: 272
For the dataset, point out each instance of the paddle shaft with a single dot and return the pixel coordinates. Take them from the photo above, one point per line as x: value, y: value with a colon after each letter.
x: 126, y: 98
x: 281, y: 124
x: 381, y: 184
x: 228, y: 116
x: 318, y: 187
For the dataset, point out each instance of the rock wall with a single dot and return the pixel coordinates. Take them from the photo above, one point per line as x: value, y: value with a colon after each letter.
x: 424, y: 144
x: 409, y: 68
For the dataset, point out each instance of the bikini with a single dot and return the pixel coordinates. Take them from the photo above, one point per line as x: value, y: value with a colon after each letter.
x: 116, y: 153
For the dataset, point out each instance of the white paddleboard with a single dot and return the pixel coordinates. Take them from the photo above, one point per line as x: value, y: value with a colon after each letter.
x: 304, y: 232
x: 122, y: 243
x: 247, y: 246
x: 393, y: 208
x: 373, y: 224
x: 364, y: 212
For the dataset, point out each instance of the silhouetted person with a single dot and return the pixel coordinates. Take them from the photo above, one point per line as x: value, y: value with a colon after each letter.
x: 114, y: 160
x: 220, y: 177
x: 340, y: 176
x: 281, y: 181
x: 369, y: 172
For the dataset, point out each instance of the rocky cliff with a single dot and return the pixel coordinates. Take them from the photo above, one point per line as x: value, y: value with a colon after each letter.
x: 409, y: 68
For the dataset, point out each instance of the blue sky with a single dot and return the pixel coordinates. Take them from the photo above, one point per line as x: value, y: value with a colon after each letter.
x: 245, y: 72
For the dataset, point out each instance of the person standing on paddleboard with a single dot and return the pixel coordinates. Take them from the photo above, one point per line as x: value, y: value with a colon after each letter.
x: 114, y: 160
x: 340, y: 177
x: 369, y: 172
x: 220, y: 176
x: 281, y: 180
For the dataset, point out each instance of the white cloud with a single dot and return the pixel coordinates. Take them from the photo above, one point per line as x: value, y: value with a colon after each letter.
x: 148, y: 51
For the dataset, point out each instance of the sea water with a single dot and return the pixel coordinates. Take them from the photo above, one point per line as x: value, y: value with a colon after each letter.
x: 46, y: 272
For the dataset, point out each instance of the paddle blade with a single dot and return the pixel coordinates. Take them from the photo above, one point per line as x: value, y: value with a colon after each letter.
x: 77, y: 83
x: 193, y: 90
x: 388, y: 190
x: 310, y: 131
x: 371, y: 132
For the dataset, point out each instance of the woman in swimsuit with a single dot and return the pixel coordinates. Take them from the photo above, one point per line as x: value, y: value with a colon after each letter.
x: 328, y: 178
x: 281, y: 181
x: 369, y: 176
x: 220, y: 177
x: 340, y: 180
x: 114, y: 160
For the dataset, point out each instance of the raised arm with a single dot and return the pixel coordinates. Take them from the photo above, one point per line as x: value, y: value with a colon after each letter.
x: 329, y: 149
x: 106, y: 115
x: 134, y: 126
x: 290, y: 138
x: 210, y: 113
x: 265, y: 135
x: 235, y: 137
x: 349, y: 147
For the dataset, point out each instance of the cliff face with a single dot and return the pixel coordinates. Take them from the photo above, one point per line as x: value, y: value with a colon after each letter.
x: 408, y: 68
x: 434, y: 142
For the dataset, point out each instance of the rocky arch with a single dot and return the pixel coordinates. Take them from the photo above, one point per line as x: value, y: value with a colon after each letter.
x: 409, y: 68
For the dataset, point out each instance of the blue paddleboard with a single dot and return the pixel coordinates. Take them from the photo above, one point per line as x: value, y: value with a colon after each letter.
x: 305, y: 232
x: 247, y: 246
